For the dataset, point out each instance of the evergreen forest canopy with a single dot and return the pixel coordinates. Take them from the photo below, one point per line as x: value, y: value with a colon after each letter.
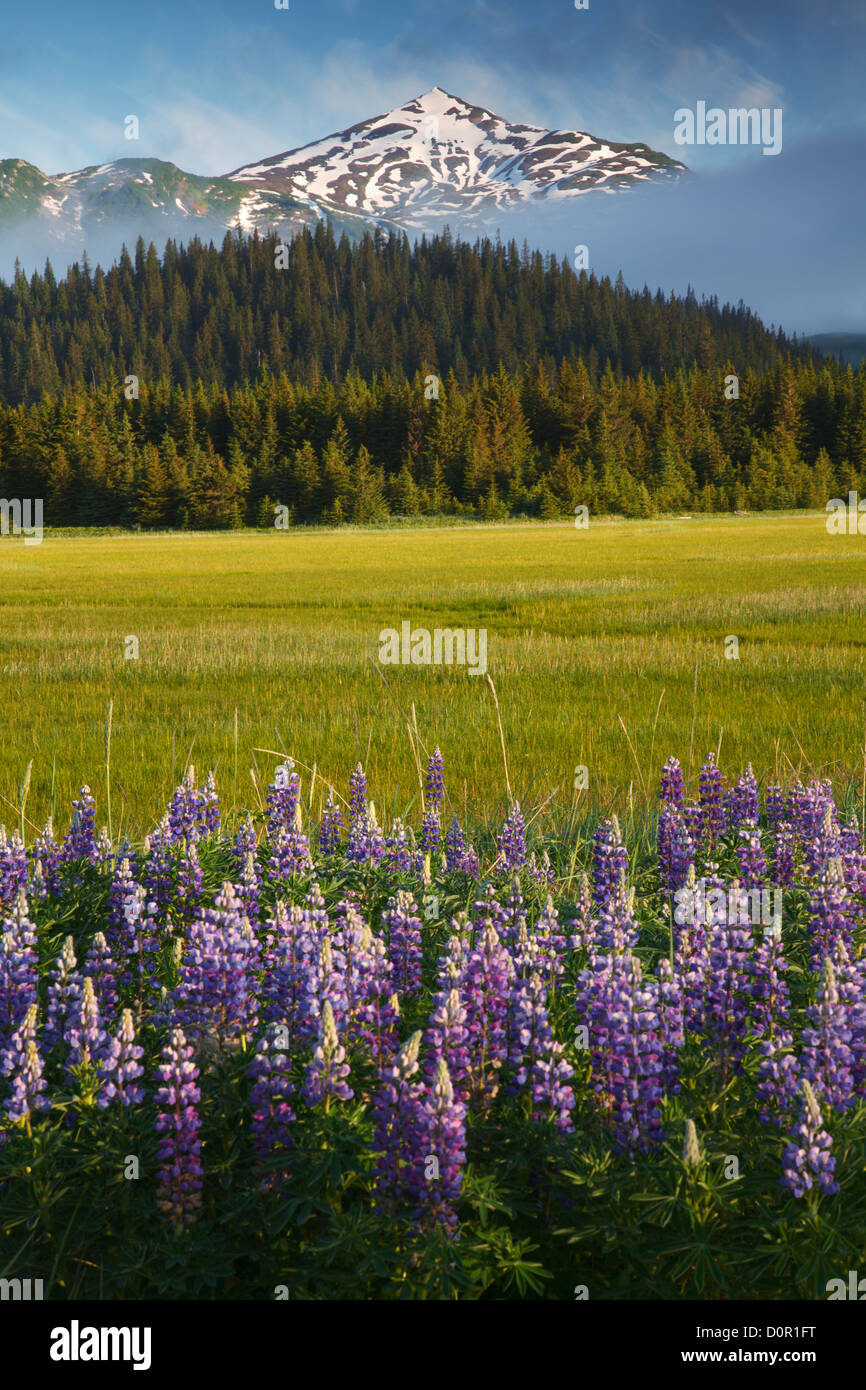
x: 352, y: 381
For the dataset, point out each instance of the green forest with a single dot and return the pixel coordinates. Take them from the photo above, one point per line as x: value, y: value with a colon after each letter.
x: 352, y: 381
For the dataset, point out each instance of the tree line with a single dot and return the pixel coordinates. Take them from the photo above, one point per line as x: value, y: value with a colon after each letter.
x: 352, y: 381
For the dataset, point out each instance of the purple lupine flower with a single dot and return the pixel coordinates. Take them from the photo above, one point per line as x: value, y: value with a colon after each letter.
x: 822, y: 843
x: 179, y: 1180
x: 357, y: 795
x: 551, y: 943
x: 452, y: 965
x: 139, y: 945
x: 542, y: 872
x: 291, y: 855
x: 120, y: 1067
x: 245, y: 843
x: 609, y: 859
x: 768, y: 989
x: 511, y: 845
x: 366, y: 844
x: 394, y: 1114
x: 853, y: 860
x: 829, y: 913
x: 142, y: 943
x: 455, y: 841
x: 691, y: 934
x: 583, y: 926
x: 459, y: 857
x: 191, y: 814
x: 727, y: 991
x: 431, y: 831
x: 711, y: 796
x: 210, y: 805
x: 826, y: 1060
x: 272, y: 1114
x: 248, y: 889
x: 99, y: 966
x: 743, y: 802
x: 535, y: 1059
x: 64, y: 992
x: 488, y: 911
x: 469, y: 863
x: 446, y: 1039
x: 434, y: 785
x: 671, y: 1010
x: 47, y: 853
x: 783, y: 856
x: 434, y: 1169
x: 778, y: 1080
x: 13, y: 867
x: 157, y: 868
x: 752, y: 860
x: 621, y: 1012
x: 122, y: 890
x: 402, y: 927
x: 214, y: 1000
x: 797, y: 808
x: 189, y: 881
x: 399, y: 855
x: 21, y: 1061
x: 325, y: 982
x: 775, y: 805
x: 80, y: 840
x: 671, y: 786
x: 485, y: 989
x: 693, y: 817
x: 354, y: 940
x: 283, y: 800
x: 286, y: 989
x: 676, y: 850
x: 617, y: 929
x: 36, y: 884
x: 326, y: 1073
x: 85, y: 1036
x: 332, y: 824
x: 377, y: 1012
x: 851, y: 986
x: 637, y: 1061
x: 315, y: 906
x: 19, y: 969
x: 808, y: 1157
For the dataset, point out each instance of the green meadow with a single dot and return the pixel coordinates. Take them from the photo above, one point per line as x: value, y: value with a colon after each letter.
x: 253, y: 642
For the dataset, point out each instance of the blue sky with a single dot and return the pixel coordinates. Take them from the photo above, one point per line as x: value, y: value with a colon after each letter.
x: 220, y: 83
x: 217, y: 83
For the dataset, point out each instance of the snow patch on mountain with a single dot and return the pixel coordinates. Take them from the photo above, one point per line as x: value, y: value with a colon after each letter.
x: 439, y: 154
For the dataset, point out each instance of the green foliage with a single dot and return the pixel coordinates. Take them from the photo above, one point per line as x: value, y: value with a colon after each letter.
x: 308, y: 385
x: 540, y: 1213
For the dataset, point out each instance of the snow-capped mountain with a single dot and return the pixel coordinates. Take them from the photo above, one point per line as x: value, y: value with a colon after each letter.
x: 435, y: 159
x: 145, y: 194
x: 439, y: 157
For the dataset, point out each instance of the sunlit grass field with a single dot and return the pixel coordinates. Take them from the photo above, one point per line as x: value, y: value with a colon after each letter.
x: 593, y: 640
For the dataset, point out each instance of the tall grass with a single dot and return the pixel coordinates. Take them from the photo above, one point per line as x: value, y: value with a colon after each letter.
x: 606, y: 648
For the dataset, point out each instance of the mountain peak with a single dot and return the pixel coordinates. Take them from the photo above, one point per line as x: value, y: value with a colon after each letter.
x: 439, y: 157
x: 438, y: 101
